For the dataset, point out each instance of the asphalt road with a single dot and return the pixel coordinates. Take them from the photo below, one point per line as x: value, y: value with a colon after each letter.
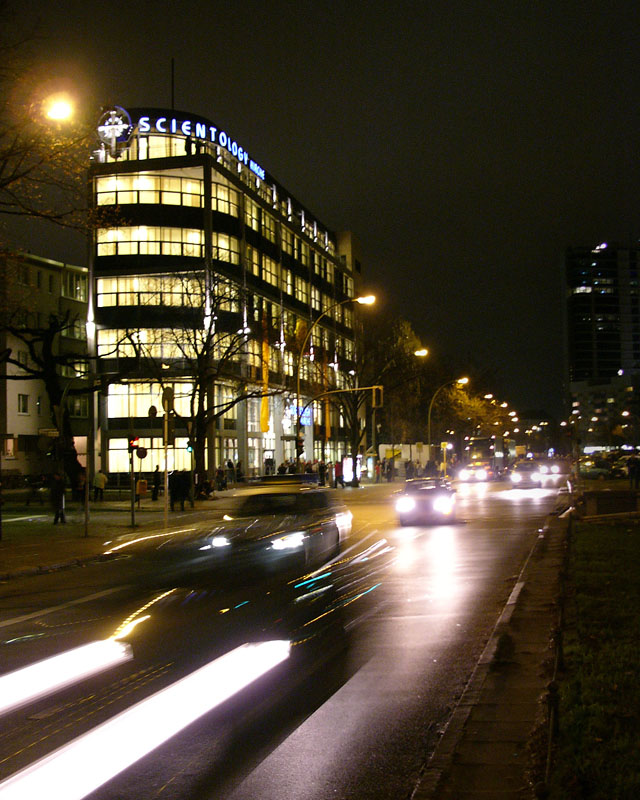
x: 357, y: 717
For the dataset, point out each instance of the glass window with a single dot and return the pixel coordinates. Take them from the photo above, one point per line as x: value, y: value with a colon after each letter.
x: 225, y: 248
x: 287, y: 281
x: 269, y: 270
x: 287, y: 241
x: 252, y: 214
x: 253, y: 261
x: 302, y: 289
x: 74, y: 285
x: 143, y: 240
x: 268, y: 227
x: 23, y: 404
x: 224, y: 199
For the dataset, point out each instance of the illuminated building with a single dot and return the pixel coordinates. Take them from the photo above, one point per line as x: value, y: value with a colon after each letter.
x: 201, y: 237
x: 603, y: 335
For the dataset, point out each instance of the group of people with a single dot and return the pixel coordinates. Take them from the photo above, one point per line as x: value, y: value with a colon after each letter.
x: 329, y: 473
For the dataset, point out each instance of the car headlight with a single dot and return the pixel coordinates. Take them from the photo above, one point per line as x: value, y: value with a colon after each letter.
x: 481, y: 475
x: 444, y: 505
x: 544, y: 469
x: 405, y: 504
x: 344, y: 520
x: 220, y: 541
x: 536, y: 476
x: 555, y: 469
x: 516, y: 477
x: 292, y: 541
x: 464, y: 474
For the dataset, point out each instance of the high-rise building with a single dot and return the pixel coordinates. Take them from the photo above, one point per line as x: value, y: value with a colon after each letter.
x: 208, y: 278
x: 603, y: 331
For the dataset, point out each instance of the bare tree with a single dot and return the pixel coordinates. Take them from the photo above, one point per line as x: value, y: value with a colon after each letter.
x: 211, y: 345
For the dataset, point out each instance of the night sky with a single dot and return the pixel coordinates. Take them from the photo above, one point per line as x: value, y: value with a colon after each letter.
x: 467, y: 144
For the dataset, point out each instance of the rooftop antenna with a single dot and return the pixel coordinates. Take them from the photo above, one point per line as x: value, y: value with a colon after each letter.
x: 173, y: 83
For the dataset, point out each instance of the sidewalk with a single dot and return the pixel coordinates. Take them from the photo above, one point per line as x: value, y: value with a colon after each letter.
x: 31, y: 543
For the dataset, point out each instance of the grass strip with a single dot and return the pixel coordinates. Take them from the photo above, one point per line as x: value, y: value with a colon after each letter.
x: 597, y: 753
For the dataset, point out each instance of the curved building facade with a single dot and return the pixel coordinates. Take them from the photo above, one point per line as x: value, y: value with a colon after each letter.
x: 208, y: 281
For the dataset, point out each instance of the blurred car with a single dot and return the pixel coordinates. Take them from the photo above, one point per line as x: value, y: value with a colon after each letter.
x: 553, y: 471
x: 526, y: 474
x: 269, y: 530
x: 477, y: 471
x: 425, y: 500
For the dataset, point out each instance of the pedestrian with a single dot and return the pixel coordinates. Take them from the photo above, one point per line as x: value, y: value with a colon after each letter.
x: 57, y: 497
x: 221, y: 481
x: 239, y: 472
x: 322, y: 473
x: 378, y: 470
x: 338, y: 477
x: 99, y: 483
x: 156, y: 483
x: 230, y: 472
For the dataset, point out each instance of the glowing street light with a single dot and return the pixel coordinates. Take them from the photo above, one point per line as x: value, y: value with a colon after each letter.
x: 59, y: 107
x: 458, y: 382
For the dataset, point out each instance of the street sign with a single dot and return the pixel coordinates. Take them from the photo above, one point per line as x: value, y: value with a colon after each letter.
x: 153, y: 412
x: 141, y: 451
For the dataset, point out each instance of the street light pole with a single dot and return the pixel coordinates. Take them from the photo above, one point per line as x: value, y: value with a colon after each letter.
x: 367, y: 300
x: 459, y: 382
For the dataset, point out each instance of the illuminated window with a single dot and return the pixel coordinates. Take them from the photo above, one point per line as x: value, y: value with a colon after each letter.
x: 269, y: 270
x: 302, y: 290
x: 225, y: 248
x: 151, y: 290
x: 287, y: 241
x: 287, y: 281
x: 224, y: 199
x: 252, y: 214
x: 23, y: 404
x: 268, y: 227
x: 74, y: 285
x: 143, y: 240
x: 145, y: 187
x: 316, y: 302
x: 253, y: 261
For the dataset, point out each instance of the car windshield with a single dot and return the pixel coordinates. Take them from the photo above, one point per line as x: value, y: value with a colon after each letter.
x: 280, y: 503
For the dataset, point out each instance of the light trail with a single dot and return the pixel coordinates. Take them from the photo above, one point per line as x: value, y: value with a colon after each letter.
x: 83, y: 765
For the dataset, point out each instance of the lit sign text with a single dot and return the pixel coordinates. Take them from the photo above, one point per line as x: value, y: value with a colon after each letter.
x: 200, y: 130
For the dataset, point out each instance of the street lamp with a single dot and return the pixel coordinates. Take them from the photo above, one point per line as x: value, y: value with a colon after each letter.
x: 458, y: 382
x: 58, y: 107
x: 366, y: 300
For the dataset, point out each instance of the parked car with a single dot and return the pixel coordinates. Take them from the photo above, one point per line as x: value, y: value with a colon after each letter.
x: 594, y: 468
x: 425, y: 500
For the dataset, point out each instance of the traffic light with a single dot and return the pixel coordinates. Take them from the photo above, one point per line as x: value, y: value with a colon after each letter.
x: 377, y: 396
x: 170, y: 429
x: 190, y: 446
x: 134, y: 442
